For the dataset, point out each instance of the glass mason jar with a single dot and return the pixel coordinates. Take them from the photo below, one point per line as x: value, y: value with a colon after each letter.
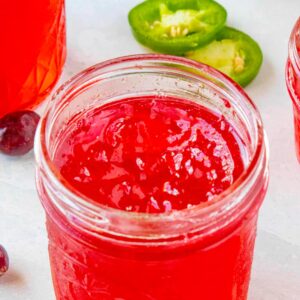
x: 33, y: 51
x: 293, y: 80
x: 98, y: 252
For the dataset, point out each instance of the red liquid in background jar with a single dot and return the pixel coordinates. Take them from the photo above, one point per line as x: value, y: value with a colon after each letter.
x: 150, y: 155
x: 293, y: 84
x: 32, y: 50
x: 294, y: 74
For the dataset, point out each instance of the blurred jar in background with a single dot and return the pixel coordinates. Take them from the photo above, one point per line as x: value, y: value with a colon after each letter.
x: 32, y: 50
x: 293, y: 80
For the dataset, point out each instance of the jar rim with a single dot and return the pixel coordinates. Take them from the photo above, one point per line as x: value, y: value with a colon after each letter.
x: 204, y: 210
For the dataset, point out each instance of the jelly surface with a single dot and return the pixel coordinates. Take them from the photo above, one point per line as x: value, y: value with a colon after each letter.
x: 150, y: 155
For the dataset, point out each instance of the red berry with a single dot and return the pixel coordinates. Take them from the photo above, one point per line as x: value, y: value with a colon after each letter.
x: 4, y: 261
x: 17, y: 132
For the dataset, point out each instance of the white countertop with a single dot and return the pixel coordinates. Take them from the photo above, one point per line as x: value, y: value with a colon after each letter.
x: 98, y: 30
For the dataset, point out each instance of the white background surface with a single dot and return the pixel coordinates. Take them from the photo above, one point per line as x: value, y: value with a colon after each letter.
x: 98, y: 30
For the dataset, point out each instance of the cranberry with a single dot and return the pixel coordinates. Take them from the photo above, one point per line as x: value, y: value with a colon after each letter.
x: 4, y: 261
x: 17, y: 131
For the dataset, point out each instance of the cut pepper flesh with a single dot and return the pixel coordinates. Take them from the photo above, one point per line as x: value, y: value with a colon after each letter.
x: 179, y: 23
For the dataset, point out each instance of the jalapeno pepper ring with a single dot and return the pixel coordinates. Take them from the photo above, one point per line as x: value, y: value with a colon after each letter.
x: 176, y: 26
x: 234, y: 53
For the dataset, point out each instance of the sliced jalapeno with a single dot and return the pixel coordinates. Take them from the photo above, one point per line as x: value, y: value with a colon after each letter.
x: 232, y: 52
x: 176, y: 26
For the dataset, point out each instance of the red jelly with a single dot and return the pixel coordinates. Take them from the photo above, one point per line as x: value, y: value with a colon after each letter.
x: 151, y: 196
x: 33, y: 51
x: 151, y: 155
x: 293, y: 80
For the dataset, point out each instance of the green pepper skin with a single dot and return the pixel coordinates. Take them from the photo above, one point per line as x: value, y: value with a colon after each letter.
x: 204, y: 18
x: 243, y: 44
